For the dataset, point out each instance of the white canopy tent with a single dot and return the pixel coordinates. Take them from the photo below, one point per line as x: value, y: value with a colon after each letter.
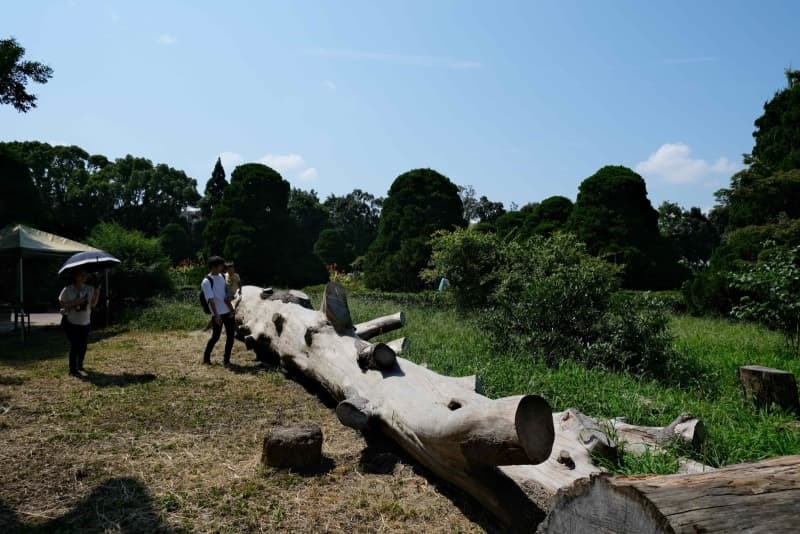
x: 23, y: 242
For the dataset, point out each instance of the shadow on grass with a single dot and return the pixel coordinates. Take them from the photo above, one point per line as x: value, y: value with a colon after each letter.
x: 118, y: 505
x: 381, y: 455
x: 247, y: 369
x: 125, y: 379
x: 45, y: 343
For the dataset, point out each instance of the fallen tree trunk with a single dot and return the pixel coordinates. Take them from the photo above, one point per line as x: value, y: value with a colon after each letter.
x: 455, y: 432
x: 753, y: 497
x: 513, y: 455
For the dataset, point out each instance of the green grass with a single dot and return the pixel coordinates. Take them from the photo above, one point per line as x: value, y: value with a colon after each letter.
x: 702, y: 380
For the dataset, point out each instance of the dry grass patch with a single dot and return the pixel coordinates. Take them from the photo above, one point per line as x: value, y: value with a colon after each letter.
x: 153, y: 441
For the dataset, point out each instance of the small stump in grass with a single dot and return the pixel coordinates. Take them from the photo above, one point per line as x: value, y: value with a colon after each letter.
x: 295, y: 446
x: 766, y: 386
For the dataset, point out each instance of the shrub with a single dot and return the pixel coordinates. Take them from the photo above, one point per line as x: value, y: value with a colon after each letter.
x: 554, y: 299
x: 771, y: 290
x: 142, y: 272
x: 471, y: 261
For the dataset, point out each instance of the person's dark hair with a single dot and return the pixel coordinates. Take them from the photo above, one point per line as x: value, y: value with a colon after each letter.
x: 213, y: 261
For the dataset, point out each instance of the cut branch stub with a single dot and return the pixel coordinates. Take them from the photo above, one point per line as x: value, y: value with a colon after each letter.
x: 354, y: 412
x: 400, y: 346
x: 381, y: 325
x: 335, y: 308
x: 377, y: 356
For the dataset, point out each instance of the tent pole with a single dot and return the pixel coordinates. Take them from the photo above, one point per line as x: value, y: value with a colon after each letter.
x: 21, y: 281
x: 21, y: 296
x: 108, y: 300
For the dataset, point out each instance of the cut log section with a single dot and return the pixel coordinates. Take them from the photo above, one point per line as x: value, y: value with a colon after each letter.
x: 754, y: 497
x: 381, y: 325
x: 765, y: 386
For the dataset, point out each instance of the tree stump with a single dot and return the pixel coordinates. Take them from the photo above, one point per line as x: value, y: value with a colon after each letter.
x: 296, y: 446
x: 766, y: 386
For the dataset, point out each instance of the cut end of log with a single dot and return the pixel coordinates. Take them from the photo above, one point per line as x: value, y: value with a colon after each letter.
x: 534, y: 424
x: 379, y: 357
x: 354, y: 412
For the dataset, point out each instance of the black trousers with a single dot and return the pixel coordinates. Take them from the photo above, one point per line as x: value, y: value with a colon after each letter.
x: 78, y: 336
x: 216, y: 330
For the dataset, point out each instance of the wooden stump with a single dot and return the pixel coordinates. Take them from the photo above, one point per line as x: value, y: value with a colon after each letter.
x: 297, y: 447
x: 766, y: 386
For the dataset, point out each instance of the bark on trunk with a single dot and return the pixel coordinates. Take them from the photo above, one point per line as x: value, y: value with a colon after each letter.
x: 753, y: 497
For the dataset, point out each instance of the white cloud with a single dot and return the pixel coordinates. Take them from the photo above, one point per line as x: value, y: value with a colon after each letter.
x: 329, y: 84
x: 308, y: 175
x: 167, y: 39
x: 403, y: 59
x: 283, y: 162
x: 673, y: 163
x: 230, y: 160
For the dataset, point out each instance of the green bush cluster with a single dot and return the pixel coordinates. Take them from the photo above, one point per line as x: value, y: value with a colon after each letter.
x: 143, y: 269
x: 550, y: 297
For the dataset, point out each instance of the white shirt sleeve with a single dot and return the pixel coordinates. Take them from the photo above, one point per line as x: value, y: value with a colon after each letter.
x: 208, y: 291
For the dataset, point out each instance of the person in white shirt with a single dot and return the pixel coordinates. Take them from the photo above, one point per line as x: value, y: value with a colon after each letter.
x: 213, y: 287
x: 77, y: 301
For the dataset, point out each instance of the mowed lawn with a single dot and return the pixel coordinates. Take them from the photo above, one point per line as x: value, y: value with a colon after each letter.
x: 153, y: 441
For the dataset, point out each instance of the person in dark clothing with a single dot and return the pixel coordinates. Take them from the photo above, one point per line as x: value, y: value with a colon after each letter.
x: 77, y: 301
x: 213, y: 287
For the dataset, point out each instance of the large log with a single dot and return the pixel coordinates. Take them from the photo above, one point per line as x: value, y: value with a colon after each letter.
x: 460, y: 435
x: 753, y: 497
x: 765, y: 386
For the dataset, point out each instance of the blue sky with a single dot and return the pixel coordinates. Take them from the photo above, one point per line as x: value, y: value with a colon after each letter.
x: 521, y: 100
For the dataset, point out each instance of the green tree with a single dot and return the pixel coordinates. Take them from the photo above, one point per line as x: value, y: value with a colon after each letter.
x: 176, y: 242
x: 19, y: 202
x: 691, y: 234
x: 488, y: 211
x: 615, y: 219
x: 420, y: 202
x: 548, y: 217
x: 777, y: 134
x: 15, y: 74
x: 332, y: 248
x: 252, y: 226
x: 143, y: 269
x: 215, y: 187
x: 355, y: 216
x: 509, y: 224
